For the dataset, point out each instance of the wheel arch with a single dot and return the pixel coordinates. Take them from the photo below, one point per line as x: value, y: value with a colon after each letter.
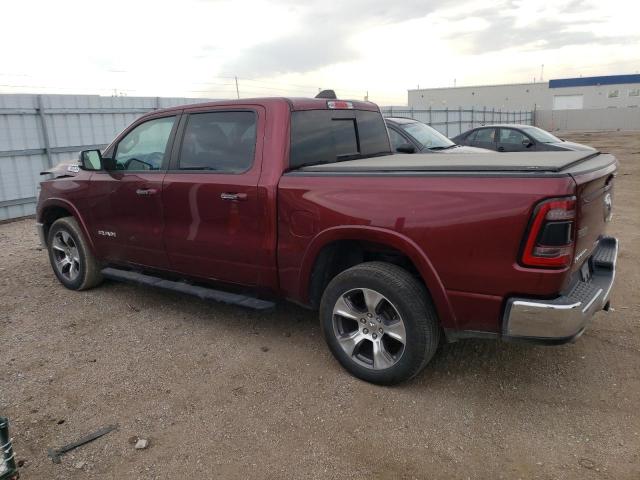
x: 315, y: 272
x: 54, y: 208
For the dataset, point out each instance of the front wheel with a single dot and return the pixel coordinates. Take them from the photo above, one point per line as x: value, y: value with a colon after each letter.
x: 70, y: 256
x: 379, y: 322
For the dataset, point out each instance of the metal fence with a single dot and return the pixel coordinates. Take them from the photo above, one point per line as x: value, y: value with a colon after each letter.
x: 454, y: 121
x: 39, y: 131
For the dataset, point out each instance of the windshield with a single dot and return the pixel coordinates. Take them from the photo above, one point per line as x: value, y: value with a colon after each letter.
x: 428, y: 137
x: 540, y: 135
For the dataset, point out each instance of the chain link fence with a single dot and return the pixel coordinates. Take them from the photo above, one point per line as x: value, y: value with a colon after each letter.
x: 454, y: 121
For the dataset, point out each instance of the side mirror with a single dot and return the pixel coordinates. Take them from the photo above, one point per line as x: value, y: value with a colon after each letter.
x: 406, y: 148
x: 526, y: 142
x: 91, y: 160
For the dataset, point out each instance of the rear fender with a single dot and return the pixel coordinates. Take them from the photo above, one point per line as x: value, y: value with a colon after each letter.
x: 384, y: 237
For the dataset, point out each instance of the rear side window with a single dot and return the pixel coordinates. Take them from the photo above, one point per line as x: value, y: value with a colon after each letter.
x: 220, y: 141
x: 486, y: 135
x: 326, y: 136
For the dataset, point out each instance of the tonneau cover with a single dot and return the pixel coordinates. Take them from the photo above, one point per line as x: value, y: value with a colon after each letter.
x: 501, y: 162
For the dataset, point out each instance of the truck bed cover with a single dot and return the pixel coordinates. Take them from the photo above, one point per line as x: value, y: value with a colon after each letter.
x: 553, y: 162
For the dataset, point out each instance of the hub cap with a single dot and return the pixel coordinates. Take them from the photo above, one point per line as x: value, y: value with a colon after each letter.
x: 369, y: 328
x: 66, y: 256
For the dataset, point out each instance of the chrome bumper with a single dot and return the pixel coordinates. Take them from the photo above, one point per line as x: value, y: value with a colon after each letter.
x: 43, y: 240
x: 565, y: 318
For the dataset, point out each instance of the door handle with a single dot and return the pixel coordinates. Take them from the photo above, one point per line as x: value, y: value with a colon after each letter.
x: 146, y: 191
x: 233, y: 197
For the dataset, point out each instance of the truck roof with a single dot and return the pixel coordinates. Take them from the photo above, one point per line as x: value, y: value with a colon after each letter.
x: 465, y: 162
x: 294, y: 103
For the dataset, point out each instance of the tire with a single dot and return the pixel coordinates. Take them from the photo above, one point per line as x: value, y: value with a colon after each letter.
x: 379, y: 323
x: 70, y: 256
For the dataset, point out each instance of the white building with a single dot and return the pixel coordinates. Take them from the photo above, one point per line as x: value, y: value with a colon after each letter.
x: 612, y: 91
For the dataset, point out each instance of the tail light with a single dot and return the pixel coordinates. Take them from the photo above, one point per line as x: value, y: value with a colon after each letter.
x: 551, y: 237
x: 339, y: 105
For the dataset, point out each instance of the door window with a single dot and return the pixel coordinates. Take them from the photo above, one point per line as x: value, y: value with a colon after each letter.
x: 512, y: 137
x: 486, y: 135
x: 471, y: 137
x: 144, y: 147
x: 220, y: 141
x: 396, y: 139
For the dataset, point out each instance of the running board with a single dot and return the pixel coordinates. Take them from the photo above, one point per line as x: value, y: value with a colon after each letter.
x: 200, y: 292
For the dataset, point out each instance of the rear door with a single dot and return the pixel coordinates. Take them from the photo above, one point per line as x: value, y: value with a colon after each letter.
x: 126, y: 203
x: 513, y: 140
x: 214, y: 226
x: 485, y: 138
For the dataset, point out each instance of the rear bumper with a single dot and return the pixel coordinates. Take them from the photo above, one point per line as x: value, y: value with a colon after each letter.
x: 563, y: 319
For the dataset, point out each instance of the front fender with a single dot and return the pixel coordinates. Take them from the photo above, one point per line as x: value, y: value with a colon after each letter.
x: 54, y: 202
x: 384, y: 237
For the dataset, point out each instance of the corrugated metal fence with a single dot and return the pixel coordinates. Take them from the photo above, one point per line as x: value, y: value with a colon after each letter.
x: 453, y: 121
x: 39, y: 131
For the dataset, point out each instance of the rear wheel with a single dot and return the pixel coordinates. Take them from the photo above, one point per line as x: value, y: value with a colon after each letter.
x: 70, y: 256
x: 379, y: 322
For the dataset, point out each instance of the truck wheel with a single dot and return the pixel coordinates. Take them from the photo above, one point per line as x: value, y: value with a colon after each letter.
x: 70, y: 256
x: 379, y: 323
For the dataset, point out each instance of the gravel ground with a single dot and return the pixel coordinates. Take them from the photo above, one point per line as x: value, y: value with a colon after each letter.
x: 221, y: 392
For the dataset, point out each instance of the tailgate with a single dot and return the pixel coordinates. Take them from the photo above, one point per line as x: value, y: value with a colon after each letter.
x: 594, y: 191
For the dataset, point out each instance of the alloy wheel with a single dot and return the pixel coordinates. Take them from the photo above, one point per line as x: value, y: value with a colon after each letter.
x: 66, y: 255
x: 369, y: 328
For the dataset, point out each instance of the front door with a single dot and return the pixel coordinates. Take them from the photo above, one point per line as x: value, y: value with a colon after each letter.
x: 126, y: 201
x: 215, y: 221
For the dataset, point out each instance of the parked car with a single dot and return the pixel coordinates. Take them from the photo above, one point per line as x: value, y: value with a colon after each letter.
x: 517, y: 138
x: 411, y: 136
x: 248, y: 201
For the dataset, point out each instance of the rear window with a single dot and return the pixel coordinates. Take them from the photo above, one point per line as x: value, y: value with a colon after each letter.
x: 326, y: 136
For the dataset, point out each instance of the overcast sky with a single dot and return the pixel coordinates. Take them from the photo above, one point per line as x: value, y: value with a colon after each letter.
x: 285, y: 47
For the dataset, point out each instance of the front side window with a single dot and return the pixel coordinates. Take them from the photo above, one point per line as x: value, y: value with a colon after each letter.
x: 144, y: 147
x: 427, y: 136
x: 511, y: 136
x: 219, y: 141
x: 396, y: 139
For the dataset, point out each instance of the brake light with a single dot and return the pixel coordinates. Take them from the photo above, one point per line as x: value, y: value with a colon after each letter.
x: 339, y: 104
x: 551, y: 239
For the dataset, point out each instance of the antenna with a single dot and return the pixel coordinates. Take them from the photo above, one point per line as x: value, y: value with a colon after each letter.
x: 330, y: 94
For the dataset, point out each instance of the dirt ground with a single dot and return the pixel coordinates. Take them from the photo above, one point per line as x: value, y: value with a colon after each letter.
x: 222, y: 392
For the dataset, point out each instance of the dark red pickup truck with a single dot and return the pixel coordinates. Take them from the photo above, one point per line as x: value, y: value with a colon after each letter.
x: 250, y: 200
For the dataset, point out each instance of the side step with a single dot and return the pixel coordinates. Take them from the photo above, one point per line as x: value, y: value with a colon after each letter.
x: 200, y: 292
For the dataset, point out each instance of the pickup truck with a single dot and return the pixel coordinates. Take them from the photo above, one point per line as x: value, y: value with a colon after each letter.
x: 250, y: 201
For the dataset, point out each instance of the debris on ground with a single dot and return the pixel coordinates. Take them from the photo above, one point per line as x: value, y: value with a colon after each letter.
x: 142, y: 443
x: 55, y: 454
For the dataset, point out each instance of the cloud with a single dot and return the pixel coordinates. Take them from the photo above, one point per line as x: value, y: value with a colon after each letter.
x: 564, y: 27
x: 325, y: 34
